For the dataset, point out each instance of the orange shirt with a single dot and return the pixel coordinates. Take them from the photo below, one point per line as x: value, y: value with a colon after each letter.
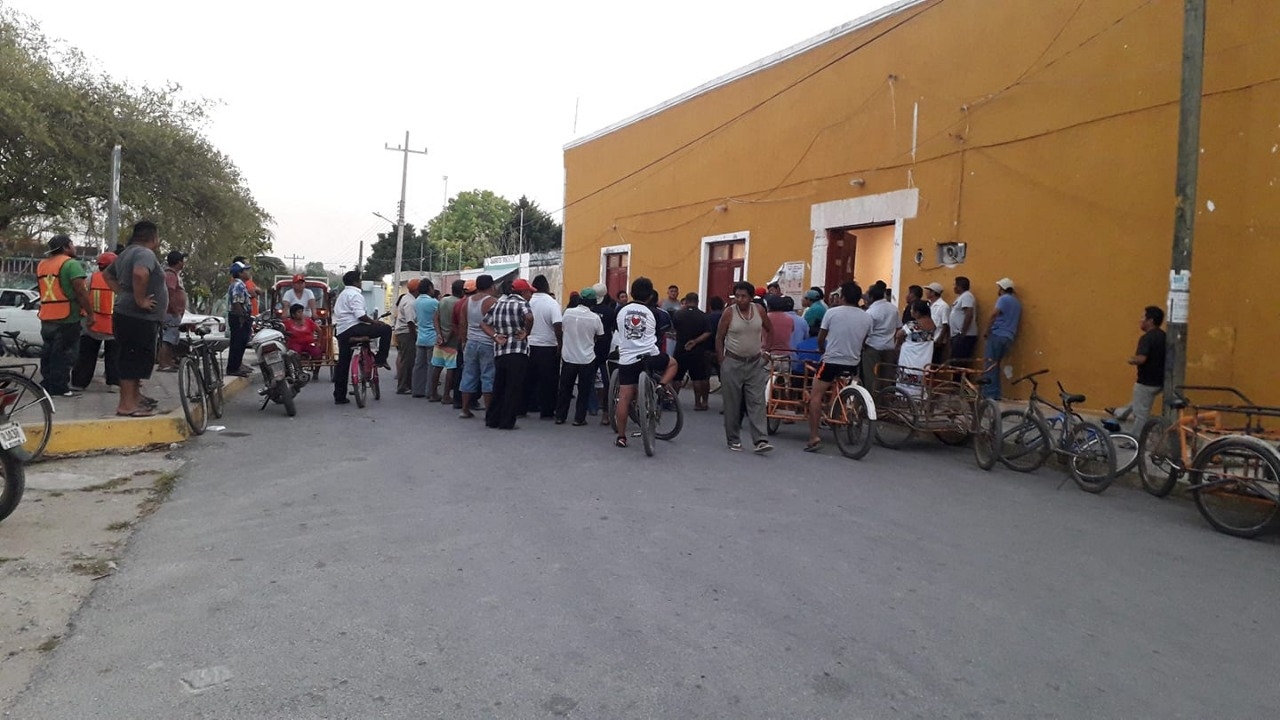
x: 253, y: 296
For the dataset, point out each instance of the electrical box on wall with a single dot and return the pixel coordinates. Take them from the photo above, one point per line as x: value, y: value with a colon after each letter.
x: 951, y: 253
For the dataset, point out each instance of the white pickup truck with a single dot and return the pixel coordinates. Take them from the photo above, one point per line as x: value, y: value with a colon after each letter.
x: 19, y: 312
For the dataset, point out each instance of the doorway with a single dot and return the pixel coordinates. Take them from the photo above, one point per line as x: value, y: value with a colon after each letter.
x: 726, y: 265
x: 865, y: 253
x: 616, y: 269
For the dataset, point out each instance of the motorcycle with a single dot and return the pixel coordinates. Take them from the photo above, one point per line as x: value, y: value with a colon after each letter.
x: 283, y: 376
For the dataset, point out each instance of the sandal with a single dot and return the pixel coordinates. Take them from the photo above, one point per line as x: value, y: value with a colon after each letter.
x: 620, y: 441
x: 139, y: 413
x: 813, y: 446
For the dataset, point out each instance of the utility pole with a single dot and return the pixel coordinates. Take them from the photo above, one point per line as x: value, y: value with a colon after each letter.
x: 1185, y: 210
x: 521, y: 230
x: 360, y: 259
x: 294, y: 261
x: 404, y: 184
x: 113, y: 211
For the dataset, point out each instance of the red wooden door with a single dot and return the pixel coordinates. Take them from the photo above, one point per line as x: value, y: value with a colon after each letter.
x: 615, y: 272
x: 725, y: 262
x: 841, y: 249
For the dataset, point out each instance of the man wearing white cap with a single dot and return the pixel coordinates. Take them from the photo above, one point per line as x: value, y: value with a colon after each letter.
x: 940, y: 311
x: 1001, y: 331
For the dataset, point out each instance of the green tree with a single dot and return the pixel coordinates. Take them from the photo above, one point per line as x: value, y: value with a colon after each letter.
x: 382, y: 255
x: 541, y: 231
x: 471, y: 225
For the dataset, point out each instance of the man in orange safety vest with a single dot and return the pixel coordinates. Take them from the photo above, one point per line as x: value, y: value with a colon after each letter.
x: 64, y: 299
x: 98, y: 333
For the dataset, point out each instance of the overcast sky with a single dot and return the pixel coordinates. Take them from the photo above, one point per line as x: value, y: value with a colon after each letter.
x: 488, y: 88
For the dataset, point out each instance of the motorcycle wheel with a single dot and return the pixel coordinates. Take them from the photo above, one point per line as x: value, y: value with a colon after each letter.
x: 14, y: 482
x: 285, y: 393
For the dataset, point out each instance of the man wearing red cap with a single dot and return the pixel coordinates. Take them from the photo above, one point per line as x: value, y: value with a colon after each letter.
x: 508, y: 324
x: 98, y: 334
x: 298, y: 294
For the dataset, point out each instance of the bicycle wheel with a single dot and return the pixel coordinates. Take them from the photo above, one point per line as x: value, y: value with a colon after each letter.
x: 851, y: 424
x: 212, y: 373
x: 191, y: 391
x: 1024, y: 441
x: 15, y: 481
x: 1126, y: 447
x: 1093, y: 459
x: 26, y: 403
x: 897, y: 417
x: 986, y: 435
x: 611, y: 398
x: 1236, y: 483
x: 358, y: 381
x: 373, y: 380
x: 670, y: 415
x: 1157, y: 458
x: 646, y: 399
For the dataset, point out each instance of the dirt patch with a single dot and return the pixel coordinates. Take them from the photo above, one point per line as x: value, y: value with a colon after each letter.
x: 57, y: 544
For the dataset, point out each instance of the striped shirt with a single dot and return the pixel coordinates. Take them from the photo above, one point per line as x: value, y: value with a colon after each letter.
x: 508, y: 318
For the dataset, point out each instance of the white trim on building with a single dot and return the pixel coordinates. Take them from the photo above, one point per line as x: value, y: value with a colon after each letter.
x: 615, y: 250
x: 891, y: 207
x: 705, y: 261
x: 757, y: 66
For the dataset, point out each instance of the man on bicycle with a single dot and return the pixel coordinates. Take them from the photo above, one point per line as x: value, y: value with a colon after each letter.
x: 844, y: 332
x: 638, y: 351
x: 350, y: 320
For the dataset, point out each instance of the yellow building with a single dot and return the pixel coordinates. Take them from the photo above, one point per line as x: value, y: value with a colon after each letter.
x: 1034, y: 139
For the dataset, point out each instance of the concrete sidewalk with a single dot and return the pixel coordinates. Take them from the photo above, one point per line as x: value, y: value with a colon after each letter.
x: 89, y: 424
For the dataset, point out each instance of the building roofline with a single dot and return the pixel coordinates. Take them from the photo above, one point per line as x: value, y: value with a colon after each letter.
x: 761, y: 64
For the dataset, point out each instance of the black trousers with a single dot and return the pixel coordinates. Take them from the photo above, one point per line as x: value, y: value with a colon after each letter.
x: 584, y: 377
x: 544, y: 372
x: 58, y: 354
x: 342, y: 371
x: 963, y: 347
x: 509, y: 373
x: 239, y: 330
x: 87, y: 362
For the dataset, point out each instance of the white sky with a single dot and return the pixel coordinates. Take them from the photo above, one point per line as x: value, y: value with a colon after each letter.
x: 310, y: 96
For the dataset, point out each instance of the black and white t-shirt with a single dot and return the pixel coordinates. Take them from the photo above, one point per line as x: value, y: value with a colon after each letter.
x: 637, y: 333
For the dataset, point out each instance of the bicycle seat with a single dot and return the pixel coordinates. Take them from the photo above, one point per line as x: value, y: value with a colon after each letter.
x: 1178, y: 403
x: 12, y: 334
x: 1071, y: 399
x: 355, y: 341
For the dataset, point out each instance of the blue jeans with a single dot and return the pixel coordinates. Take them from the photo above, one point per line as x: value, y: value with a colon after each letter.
x: 997, y: 348
x: 477, y: 367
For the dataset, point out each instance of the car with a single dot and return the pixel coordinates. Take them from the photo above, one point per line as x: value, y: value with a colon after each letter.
x: 15, y: 297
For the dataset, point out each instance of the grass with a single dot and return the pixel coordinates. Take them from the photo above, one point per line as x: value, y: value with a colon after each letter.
x: 50, y: 644
x: 4, y: 560
x: 118, y: 526
x: 93, y: 567
x: 108, y: 485
x: 161, y: 489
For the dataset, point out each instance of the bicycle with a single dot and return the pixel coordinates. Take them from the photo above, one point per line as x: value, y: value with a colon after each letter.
x: 1126, y: 445
x: 16, y: 346
x: 949, y: 404
x: 851, y: 415
x: 24, y: 405
x: 199, y: 379
x: 1028, y: 439
x: 668, y: 414
x: 364, y: 371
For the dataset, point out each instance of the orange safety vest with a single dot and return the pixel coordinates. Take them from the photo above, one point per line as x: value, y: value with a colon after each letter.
x: 253, y: 297
x: 103, y: 301
x: 54, y: 303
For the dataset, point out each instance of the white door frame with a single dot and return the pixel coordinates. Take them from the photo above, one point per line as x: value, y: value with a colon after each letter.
x: 892, y: 207
x: 705, y: 262
x: 615, y: 250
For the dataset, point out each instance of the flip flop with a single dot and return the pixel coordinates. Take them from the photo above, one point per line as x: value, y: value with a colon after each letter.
x: 167, y: 369
x: 620, y: 441
x: 136, y: 414
x: 814, y: 446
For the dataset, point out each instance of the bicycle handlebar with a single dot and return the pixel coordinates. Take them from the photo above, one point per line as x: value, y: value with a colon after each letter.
x: 1031, y: 376
x: 1216, y: 388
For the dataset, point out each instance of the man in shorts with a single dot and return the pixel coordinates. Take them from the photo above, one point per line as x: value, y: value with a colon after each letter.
x: 176, y: 262
x: 692, y: 333
x: 840, y: 340
x: 141, y: 301
x: 638, y: 351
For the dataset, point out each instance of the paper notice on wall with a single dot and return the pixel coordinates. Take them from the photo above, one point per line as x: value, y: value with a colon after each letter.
x: 1180, y: 280
x: 790, y: 278
x: 1179, y: 305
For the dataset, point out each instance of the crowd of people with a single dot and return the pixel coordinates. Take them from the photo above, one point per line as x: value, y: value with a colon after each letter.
x: 509, y: 349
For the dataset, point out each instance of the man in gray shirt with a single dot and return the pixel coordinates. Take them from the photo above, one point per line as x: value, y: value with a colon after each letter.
x: 844, y: 333
x: 141, y: 298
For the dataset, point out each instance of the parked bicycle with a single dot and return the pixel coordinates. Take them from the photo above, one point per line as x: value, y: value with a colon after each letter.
x: 12, y: 344
x: 850, y: 413
x: 26, y: 411
x: 1233, y: 468
x: 1029, y: 439
x: 1126, y: 446
x: 199, y: 379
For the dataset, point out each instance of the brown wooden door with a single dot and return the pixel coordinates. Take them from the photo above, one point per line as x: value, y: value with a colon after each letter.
x: 841, y: 249
x: 725, y: 262
x: 615, y: 272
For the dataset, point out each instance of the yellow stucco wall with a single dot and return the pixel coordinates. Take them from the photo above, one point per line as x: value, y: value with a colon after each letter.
x: 1046, y: 142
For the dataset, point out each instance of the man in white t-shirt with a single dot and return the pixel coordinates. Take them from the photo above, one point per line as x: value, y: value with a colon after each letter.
x: 964, y: 322
x: 881, y: 343
x: 351, y: 320
x: 544, y: 351
x: 940, y: 312
x: 581, y: 327
x: 844, y: 332
x: 298, y: 294
x: 405, y: 331
x: 638, y: 351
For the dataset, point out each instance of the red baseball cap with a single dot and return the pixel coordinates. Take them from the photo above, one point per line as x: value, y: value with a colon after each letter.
x: 761, y: 292
x: 299, y: 278
x: 521, y: 285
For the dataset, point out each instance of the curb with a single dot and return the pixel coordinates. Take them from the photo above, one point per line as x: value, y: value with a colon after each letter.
x: 88, y: 437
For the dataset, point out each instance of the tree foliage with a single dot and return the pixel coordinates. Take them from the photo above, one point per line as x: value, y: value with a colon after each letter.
x: 60, y: 116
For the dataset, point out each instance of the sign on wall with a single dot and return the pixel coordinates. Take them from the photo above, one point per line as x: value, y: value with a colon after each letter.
x: 790, y: 278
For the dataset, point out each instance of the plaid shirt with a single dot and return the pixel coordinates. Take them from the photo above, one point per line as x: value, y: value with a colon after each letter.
x: 507, y: 317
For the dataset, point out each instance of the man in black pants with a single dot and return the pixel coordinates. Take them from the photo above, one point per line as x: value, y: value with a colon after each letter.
x: 350, y: 320
x: 508, y: 323
x: 544, y: 350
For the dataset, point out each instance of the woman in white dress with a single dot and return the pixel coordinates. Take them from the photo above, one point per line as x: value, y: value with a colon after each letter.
x: 915, y: 340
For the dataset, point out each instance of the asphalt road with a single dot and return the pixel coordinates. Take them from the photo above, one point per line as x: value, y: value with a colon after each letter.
x: 397, y: 562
